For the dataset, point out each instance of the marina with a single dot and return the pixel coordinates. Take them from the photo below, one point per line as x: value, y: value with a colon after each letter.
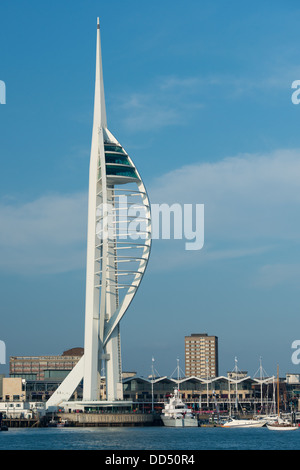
x: 150, y: 438
x: 172, y: 411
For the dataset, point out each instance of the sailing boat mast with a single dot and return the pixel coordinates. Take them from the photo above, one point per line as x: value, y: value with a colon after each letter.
x: 278, y: 397
x: 274, y: 397
x: 207, y: 394
x: 262, y: 374
x: 261, y: 387
x: 152, y: 383
x: 178, y: 370
x: 236, y: 386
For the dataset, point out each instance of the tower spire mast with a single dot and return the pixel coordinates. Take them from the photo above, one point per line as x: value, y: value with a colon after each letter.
x: 99, y: 103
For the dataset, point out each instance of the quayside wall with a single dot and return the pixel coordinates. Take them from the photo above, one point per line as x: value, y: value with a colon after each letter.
x: 108, y: 419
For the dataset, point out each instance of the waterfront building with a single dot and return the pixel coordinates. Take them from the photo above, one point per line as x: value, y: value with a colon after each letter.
x: 201, y: 355
x: 19, y: 409
x: 250, y: 394
x: 237, y: 395
x: 237, y: 375
x: 36, y: 378
x: 192, y: 389
x: 1, y: 381
x: 36, y: 368
x: 118, y: 248
x: 42, y: 375
x: 293, y: 378
x: 13, y: 389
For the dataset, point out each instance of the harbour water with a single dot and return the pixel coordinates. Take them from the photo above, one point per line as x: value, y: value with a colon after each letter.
x: 148, y: 438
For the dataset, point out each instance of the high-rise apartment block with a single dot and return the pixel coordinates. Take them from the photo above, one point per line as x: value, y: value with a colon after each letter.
x: 201, y: 355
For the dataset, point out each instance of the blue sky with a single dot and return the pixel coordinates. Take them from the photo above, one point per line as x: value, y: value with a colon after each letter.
x: 199, y: 94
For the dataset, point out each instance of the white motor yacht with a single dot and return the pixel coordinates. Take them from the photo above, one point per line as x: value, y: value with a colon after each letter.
x: 177, y: 414
x: 244, y: 423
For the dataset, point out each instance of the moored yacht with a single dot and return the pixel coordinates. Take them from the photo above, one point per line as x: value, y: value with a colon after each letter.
x: 244, y: 423
x: 177, y: 414
x: 282, y: 426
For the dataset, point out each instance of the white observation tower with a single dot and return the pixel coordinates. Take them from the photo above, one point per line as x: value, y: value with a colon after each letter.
x: 118, y: 249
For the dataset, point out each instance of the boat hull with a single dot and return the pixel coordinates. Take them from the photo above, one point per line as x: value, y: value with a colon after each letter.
x: 280, y: 427
x: 179, y: 422
x: 249, y: 424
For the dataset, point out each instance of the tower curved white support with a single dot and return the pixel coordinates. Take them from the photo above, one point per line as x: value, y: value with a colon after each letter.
x: 118, y: 249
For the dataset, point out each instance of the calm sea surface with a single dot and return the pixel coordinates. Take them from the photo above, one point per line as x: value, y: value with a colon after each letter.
x: 148, y: 438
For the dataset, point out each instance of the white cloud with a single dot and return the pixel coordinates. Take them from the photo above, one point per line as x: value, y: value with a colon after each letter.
x: 248, y: 197
x: 171, y: 99
x: 46, y: 235
x: 252, y: 203
x: 273, y: 275
x: 145, y: 112
x: 168, y: 102
x: 171, y: 256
